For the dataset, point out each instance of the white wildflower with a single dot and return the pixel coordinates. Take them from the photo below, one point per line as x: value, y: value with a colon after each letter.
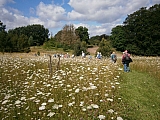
x: 27, y: 108
x: 81, y: 103
x: 7, y: 96
x: 42, y: 107
x: 51, y: 100
x: 84, y: 109
x: 111, y: 111
x: 106, y: 95
x: 37, y: 101
x: 93, y: 87
x: 109, y: 99
x: 113, y: 86
x: 48, y: 85
x: 77, y: 90
x: 55, y: 106
x: 89, y: 107
x: 51, y: 114
x: 68, y: 85
x: 81, y: 77
x: 101, y: 117
x: 32, y: 98
x: 60, y: 106
x: 43, y: 104
x: 94, y: 106
x: 119, y: 118
x: 70, y: 104
x: 23, y: 98
x: 117, y: 83
x: 4, y: 102
x: 17, y: 102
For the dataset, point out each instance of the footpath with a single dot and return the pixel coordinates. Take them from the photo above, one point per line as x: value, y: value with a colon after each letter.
x: 140, y: 95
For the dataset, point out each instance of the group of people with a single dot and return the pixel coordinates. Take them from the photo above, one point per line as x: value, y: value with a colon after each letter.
x: 126, y: 59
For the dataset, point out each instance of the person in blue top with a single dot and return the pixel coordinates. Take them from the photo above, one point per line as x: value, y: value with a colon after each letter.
x: 113, y: 57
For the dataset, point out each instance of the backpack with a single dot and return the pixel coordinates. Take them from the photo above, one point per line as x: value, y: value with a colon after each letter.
x: 114, y: 57
x: 127, y: 57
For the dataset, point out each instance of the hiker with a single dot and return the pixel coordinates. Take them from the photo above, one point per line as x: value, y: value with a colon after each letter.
x: 99, y: 55
x: 83, y: 55
x: 126, y: 60
x: 113, y: 57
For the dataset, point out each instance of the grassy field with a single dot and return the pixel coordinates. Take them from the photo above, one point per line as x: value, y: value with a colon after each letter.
x: 140, y: 95
x: 78, y: 89
x: 140, y: 90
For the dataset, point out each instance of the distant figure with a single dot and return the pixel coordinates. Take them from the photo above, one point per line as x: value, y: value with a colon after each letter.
x: 89, y: 57
x: 72, y: 55
x: 126, y: 60
x: 99, y: 55
x: 83, y: 55
x: 113, y: 57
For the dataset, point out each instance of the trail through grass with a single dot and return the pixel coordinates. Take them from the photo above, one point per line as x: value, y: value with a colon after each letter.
x: 141, y: 96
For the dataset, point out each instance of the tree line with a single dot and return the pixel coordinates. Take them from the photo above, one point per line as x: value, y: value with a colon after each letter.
x: 22, y: 38
x: 140, y: 32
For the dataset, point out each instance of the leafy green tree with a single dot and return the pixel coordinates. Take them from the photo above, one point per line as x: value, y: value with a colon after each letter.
x: 77, y: 49
x: 104, y: 47
x: 38, y: 32
x: 140, y: 33
x: 3, y: 41
x: 2, y: 27
x: 118, y: 38
x: 22, y: 43
x: 143, y: 31
x: 94, y: 40
x: 30, y: 41
x: 13, y: 38
x: 82, y: 32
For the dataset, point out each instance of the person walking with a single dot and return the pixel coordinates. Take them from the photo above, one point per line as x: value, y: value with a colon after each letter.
x: 113, y: 57
x: 126, y: 59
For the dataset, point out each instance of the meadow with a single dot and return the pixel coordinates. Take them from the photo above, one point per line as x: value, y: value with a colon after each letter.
x: 80, y: 89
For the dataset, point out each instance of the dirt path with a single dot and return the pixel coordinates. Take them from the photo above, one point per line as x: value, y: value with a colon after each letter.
x: 92, y: 50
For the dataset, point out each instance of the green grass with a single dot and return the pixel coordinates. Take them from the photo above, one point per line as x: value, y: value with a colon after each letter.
x: 140, y: 95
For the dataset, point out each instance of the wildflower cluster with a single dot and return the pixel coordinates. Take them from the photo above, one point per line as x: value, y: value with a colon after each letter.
x: 78, y: 90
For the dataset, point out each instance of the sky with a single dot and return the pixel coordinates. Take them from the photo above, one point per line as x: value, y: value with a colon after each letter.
x: 99, y: 16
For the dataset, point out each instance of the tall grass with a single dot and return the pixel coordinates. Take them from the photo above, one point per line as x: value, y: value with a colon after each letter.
x: 149, y: 65
x: 81, y: 89
x: 140, y: 90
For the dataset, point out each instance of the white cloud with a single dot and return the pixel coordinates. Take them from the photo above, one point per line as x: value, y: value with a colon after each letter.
x: 98, y: 16
x: 103, y: 11
x: 53, y: 12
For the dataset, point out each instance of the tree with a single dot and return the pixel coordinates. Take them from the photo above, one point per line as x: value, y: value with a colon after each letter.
x: 94, y: 40
x: 2, y: 27
x: 22, y: 43
x: 68, y: 36
x: 79, y: 47
x: 30, y: 41
x: 118, y: 38
x: 38, y: 32
x: 140, y: 33
x: 104, y: 47
x: 82, y: 32
x: 143, y: 31
x: 3, y: 41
